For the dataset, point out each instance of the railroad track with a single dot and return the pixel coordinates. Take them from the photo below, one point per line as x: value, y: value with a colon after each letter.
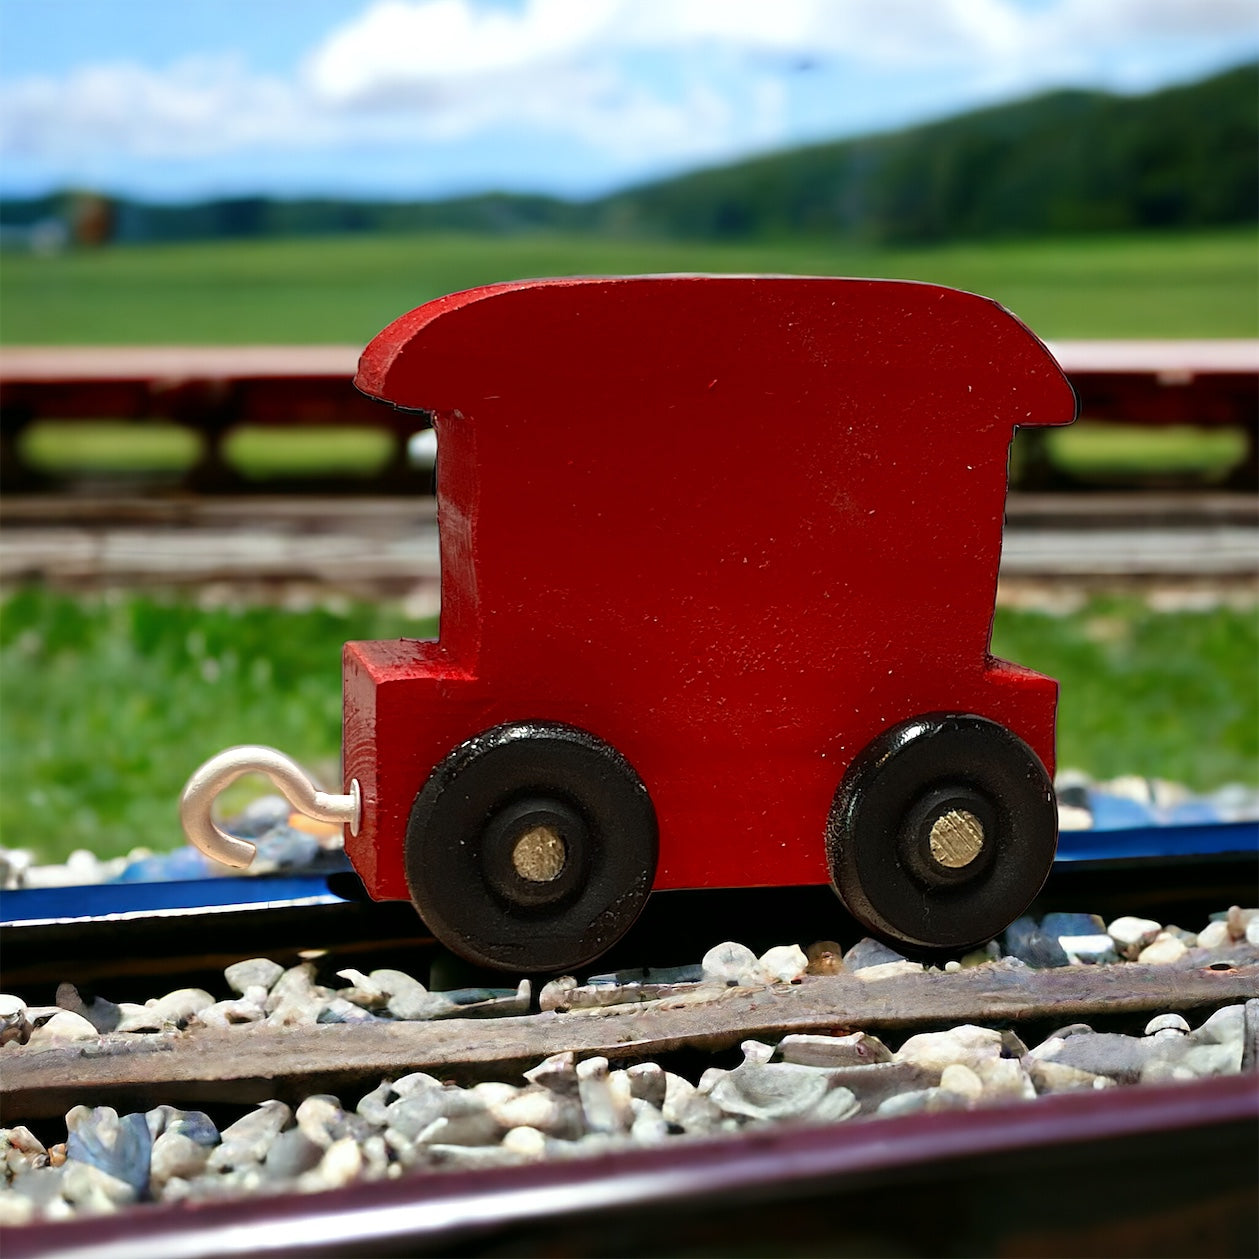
x: 123, y: 934
x: 479, y: 1198
x: 612, y: 1192
x: 390, y: 546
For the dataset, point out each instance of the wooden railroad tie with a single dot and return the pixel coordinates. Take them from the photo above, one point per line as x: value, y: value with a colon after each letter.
x: 251, y: 1064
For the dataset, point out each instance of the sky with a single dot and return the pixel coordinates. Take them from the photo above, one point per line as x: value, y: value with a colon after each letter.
x: 182, y: 99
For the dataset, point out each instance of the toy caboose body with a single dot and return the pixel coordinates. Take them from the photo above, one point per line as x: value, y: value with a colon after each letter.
x: 719, y: 563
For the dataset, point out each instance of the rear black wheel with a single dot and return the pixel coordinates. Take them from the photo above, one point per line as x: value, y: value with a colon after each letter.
x: 942, y: 831
x: 532, y: 847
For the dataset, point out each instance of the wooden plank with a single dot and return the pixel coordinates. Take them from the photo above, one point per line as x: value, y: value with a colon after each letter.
x: 1160, y: 358
x: 36, y: 364
x: 238, y: 362
x: 249, y: 1064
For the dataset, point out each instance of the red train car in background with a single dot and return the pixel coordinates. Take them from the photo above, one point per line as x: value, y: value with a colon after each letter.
x: 719, y: 563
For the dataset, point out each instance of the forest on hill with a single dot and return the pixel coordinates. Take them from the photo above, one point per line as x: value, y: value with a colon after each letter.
x: 1063, y: 162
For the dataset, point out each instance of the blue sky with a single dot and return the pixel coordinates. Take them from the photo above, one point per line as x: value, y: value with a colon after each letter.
x: 178, y: 99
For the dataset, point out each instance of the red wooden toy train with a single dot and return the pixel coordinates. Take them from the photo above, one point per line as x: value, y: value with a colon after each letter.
x: 719, y: 562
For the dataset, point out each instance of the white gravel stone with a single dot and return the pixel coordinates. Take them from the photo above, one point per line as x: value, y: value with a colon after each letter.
x: 477, y: 1127
x: 956, y: 1078
x: 21, y: 1151
x: 648, y: 1083
x: 710, y: 1079
x: 784, y: 964
x: 856, y: 1049
x: 1215, y: 935
x: 180, y: 1004
x: 373, y: 1106
x: 1239, y: 921
x: 1131, y: 934
x: 12, y: 1015
x: 64, y: 1026
x: 1091, y: 949
x: 554, y: 1114
x: 940, y: 1099
x: 1056, y: 1077
x: 1176, y: 1024
x: 966, y: 1044
x: 249, y: 1138
x: 317, y: 1117
x: 648, y: 1126
x: 1004, y: 1079
x: 494, y: 1091
x: 913, y: 1102
x: 224, y: 1014
x: 1165, y: 949
x: 471, y: 1156
x: 765, y: 1091
x: 1071, y: 817
x: 255, y: 972
x: 176, y: 1155
x: 375, y: 1156
x: 416, y: 1083
x: 393, y: 982
x: 557, y: 995
x: 295, y: 1000
x: 887, y: 970
x: 732, y: 964
x: 341, y: 1164
x: 605, y: 1097
x: 1225, y: 1026
x: 88, y: 1187
x: 756, y: 1051
x: 686, y: 1108
x: 410, y: 1116
x: 418, y: 1005
x: 15, y: 1210
x: 528, y: 1143
x: 140, y: 1018
x: 365, y: 991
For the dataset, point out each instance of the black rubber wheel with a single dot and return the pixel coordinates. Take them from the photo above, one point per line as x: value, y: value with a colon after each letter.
x: 942, y: 831
x: 532, y: 847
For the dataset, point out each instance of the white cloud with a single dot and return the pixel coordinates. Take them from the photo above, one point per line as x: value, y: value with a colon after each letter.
x: 646, y: 80
x: 194, y: 107
x: 398, y: 43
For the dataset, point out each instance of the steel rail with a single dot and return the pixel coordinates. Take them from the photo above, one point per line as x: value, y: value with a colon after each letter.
x: 1000, y: 1173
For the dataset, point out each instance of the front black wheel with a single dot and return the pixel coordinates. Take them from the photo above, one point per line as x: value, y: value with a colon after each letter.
x: 532, y: 847
x: 942, y: 831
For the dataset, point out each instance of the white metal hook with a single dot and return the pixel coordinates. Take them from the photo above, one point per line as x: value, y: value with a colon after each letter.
x: 298, y: 788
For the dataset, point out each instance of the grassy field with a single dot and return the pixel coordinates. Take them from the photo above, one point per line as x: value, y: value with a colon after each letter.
x: 345, y: 288
x: 110, y: 703
x: 1087, y: 451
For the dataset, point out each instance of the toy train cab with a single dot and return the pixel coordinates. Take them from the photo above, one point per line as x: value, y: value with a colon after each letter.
x: 719, y: 562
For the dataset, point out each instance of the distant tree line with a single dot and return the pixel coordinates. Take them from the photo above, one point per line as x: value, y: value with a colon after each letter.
x: 1067, y: 161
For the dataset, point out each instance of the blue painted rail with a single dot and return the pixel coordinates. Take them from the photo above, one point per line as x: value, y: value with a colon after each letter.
x: 1145, y: 846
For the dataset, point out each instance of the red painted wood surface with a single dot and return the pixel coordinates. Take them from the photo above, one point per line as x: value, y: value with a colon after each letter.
x: 601, y: 441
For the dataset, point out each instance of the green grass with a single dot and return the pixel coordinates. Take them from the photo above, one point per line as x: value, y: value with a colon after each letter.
x: 88, y: 446
x: 109, y: 703
x: 1165, y: 694
x: 345, y: 288
x: 1086, y: 450
x: 1093, y: 449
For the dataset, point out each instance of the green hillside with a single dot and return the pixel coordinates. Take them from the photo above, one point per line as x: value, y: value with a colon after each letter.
x: 1066, y: 162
